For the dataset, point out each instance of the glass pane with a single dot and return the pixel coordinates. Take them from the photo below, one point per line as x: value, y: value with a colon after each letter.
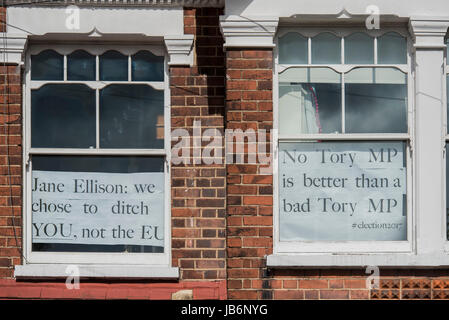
x: 326, y: 49
x: 376, y: 101
x: 447, y: 100
x: 47, y: 65
x: 147, y: 67
x: 80, y: 66
x: 309, y: 101
x: 97, y: 204
x: 113, y: 66
x: 293, y: 49
x: 359, y: 49
x: 392, y: 49
x: 342, y: 191
x: 131, y: 116
x: 63, y: 116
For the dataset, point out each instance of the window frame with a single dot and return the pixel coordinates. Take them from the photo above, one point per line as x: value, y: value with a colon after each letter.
x: 103, y: 258
x: 342, y: 247
x: 444, y: 141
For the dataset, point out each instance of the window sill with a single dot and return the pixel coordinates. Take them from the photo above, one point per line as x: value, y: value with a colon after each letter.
x: 42, y: 271
x: 396, y: 260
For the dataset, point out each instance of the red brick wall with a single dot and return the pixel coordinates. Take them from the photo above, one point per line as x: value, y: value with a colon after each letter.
x: 10, y: 169
x: 198, y: 190
x: 249, y: 193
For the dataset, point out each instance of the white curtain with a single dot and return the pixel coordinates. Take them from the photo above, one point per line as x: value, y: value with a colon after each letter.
x: 298, y: 106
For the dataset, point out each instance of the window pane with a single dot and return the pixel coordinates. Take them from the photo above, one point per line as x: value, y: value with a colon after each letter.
x: 342, y: 191
x: 326, y: 49
x: 47, y: 65
x: 97, y: 204
x: 392, y: 49
x: 293, y: 49
x: 80, y: 66
x: 113, y: 66
x: 359, y: 49
x: 147, y: 67
x: 376, y: 101
x: 131, y: 116
x: 309, y: 101
x: 63, y: 116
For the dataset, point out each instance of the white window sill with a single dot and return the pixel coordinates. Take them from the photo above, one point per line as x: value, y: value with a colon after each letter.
x: 357, y: 260
x: 96, y: 271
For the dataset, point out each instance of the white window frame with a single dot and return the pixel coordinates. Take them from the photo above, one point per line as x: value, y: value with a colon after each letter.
x: 344, y: 247
x: 445, y: 140
x: 162, y: 260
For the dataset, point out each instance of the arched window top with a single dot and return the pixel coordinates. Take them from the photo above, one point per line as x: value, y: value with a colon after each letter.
x: 326, y: 49
x: 392, y: 49
x: 359, y: 49
x: 113, y: 66
x: 47, y: 65
x: 81, y: 66
x: 147, y: 67
x: 293, y: 49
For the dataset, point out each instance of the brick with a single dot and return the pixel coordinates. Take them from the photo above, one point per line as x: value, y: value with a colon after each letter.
x: 334, y: 294
x: 260, y: 200
x: 243, y: 294
x: 243, y: 273
x: 313, y: 284
x: 355, y: 283
x: 289, y: 294
x: 359, y: 294
x: 290, y: 284
x: 336, y: 283
x: 257, y: 74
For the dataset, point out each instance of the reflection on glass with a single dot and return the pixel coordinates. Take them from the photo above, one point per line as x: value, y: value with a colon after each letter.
x: 376, y: 101
x: 326, y: 49
x: 96, y: 164
x: 113, y: 66
x: 293, y: 49
x: 309, y: 101
x: 80, y: 66
x: 359, y: 49
x: 47, y: 65
x: 392, y: 49
x: 147, y: 67
x: 63, y: 116
x: 131, y: 116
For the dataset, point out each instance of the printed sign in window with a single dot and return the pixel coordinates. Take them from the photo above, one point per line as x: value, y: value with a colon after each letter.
x: 100, y: 211
x: 342, y: 191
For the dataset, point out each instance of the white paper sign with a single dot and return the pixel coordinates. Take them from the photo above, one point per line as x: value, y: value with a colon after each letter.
x: 342, y: 191
x: 98, y: 208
